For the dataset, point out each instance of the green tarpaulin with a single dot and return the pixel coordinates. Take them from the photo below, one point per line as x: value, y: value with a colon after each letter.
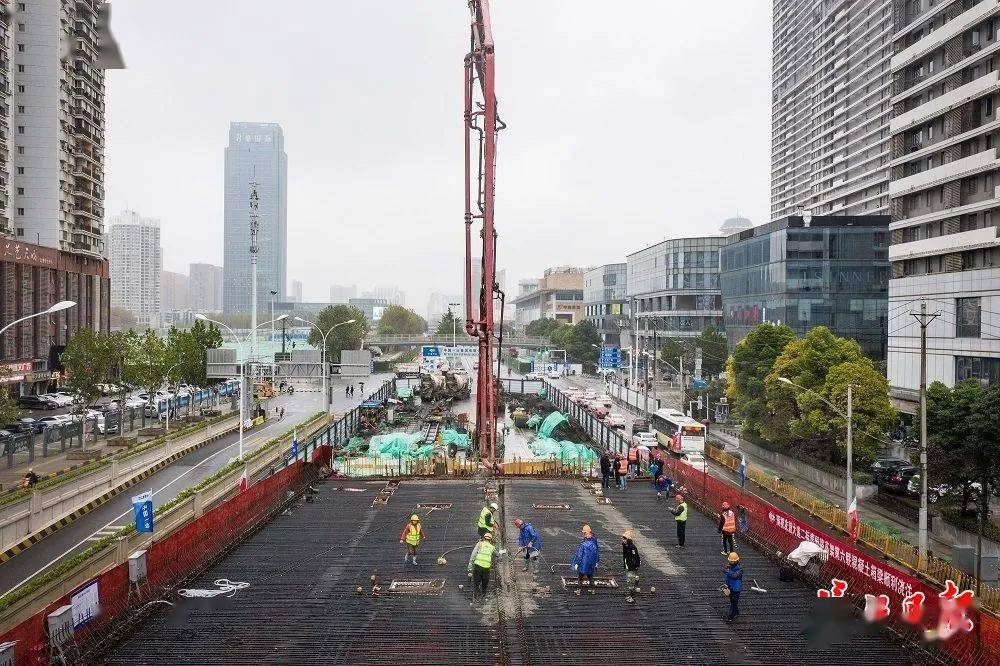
x: 394, y: 444
x: 534, y: 421
x: 551, y: 422
x: 404, y: 392
x: 564, y: 450
x: 459, y: 439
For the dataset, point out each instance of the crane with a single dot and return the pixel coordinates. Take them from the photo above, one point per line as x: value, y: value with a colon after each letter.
x: 481, y: 127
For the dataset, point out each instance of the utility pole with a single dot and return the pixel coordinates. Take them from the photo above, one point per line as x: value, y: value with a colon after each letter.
x: 924, y: 319
x: 684, y: 407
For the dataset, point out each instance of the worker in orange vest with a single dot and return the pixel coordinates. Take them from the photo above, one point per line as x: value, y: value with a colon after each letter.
x: 412, y: 535
x: 633, y: 461
x: 727, y: 528
x: 622, y: 472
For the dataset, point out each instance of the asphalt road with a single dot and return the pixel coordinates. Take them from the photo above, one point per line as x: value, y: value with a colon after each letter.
x: 165, y: 485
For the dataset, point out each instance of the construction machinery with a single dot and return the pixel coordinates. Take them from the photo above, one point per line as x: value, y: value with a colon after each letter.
x: 432, y: 386
x: 458, y: 384
x: 481, y: 128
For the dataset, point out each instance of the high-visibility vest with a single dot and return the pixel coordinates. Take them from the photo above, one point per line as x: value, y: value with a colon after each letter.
x: 623, y: 465
x: 482, y: 519
x: 728, y: 521
x: 413, y: 534
x: 683, y: 515
x: 484, y: 556
x: 633, y: 454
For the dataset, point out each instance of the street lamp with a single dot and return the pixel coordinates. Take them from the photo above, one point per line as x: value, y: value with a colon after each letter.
x: 240, y: 344
x: 57, y: 307
x: 454, y: 328
x: 849, y: 418
x: 166, y: 426
x: 271, y: 354
x: 326, y: 393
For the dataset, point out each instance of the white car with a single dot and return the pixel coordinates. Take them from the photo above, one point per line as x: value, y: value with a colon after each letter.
x: 52, y: 421
x: 554, y: 374
x: 605, y: 400
x: 644, y: 439
x: 615, y: 420
x: 590, y: 394
x: 61, y: 400
x: 135, y: 402
x: 694, y: 459
x: 533, y: 375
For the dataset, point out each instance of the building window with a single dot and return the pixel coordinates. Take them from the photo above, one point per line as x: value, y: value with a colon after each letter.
x: 20, y: 69
x: 20, y: 211
x: 20, y: 48
x: 20, y: 171
x: 20, y: 89
x: 20, y: 190
x: 20, y: 129
x: 986, y: 370
x: 20, y: 109
x: 989, y: 106
x: 20, y: 150
x: 969, y: 318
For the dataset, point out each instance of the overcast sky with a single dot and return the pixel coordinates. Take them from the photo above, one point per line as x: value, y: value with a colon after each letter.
x: 629, y: 122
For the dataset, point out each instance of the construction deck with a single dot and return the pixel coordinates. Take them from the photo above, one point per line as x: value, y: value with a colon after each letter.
x: 304, y: 569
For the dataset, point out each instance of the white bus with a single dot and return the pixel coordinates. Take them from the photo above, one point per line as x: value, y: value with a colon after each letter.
x: 678, y: 433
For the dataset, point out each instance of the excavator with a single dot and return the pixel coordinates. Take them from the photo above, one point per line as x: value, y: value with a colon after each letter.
x: 482, y: 126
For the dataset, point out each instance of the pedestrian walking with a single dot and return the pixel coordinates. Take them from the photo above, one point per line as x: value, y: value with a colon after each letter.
x: 586, y: 559
x: 622, y: 472
x: 528, y: 543
x: 282, y: 412
x: 654, y: 470
x: 727, y: 528
x: 361, y: 385
x: 631, y: 561
x: 347, y: 391
x: 606, y: 470
x: 680, y: 517
x: 412, y: 535
x: 30, y: 479
x: 485, y: 524
x: 480, y: 563
x: 734, y: 585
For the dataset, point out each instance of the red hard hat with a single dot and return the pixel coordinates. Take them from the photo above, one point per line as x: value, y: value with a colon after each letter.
x: 725, y: 505
x: 518, y: 522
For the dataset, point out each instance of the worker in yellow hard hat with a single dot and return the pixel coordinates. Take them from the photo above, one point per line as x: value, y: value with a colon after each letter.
x: 412, y: 535
x: 734, y: 584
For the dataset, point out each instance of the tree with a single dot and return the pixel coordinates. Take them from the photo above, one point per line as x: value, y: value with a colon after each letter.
x: 87, y: 360
x: 450, y: 324
x: 146, y: 361
x: 752, y: 360
x: 714, y: 351
x: 543, y: 327
x: 345, y: 336
x: 579, y: 341
x: 10, y: 410
x: 673, y: 350
x: 397, y: 320
x: 121, y: 319
x: 823, y: 365
x: 186, y: 349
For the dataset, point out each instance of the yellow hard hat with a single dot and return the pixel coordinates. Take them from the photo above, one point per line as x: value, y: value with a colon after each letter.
x: 586, y: 529
x: 733, y: 557
x: 415, y: 517
x: 488, y: 536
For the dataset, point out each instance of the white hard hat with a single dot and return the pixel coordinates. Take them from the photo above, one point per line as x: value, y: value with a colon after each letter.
x: 494, y: 506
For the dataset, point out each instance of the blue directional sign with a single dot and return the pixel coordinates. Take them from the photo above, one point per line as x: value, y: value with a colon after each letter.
x: 699, y: 384
x: 611, y: 357
x: 431, y: 350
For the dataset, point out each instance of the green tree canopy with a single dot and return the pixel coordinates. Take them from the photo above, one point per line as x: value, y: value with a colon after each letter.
x: 10, y: 409
x: 543, y: 327
x: 672, y: 350
x: 578, y: 340
x: 397, y: 320
x: 450, y: 323
x: 87, y: 359
x: 714, y: 351
x: 146, y: 360
x: 751, y: 361
x: 345, y: 336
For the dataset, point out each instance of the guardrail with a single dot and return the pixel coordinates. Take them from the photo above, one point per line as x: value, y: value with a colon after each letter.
x: 631, y: 398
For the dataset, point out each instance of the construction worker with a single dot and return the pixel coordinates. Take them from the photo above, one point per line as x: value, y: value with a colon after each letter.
x: 528, y: 541
x: 734, y: 585
x: 480, y: 563
x: 485, y: 523
x: 622, y: 472
x: 633, y: 461
x: 662, y: 485
x: 631, y: 561
x: 586, y: 559
x: 727, y: 528
x: 606, y: 470
x: 681, y: 518
x: 412, y: 535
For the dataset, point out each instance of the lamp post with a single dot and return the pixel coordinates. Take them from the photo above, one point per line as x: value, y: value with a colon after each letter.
x: 454, y: 328
x: 326, y: 393
x: 240, y: 344
x: 849, y: 418
x: 271, y: 354
x: 57, y: 307
x: 166, y: 426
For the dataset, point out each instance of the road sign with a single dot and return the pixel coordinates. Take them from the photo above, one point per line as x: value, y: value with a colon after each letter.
x: 611, y: 357
x: 699, y: 384
x: 431, y: 350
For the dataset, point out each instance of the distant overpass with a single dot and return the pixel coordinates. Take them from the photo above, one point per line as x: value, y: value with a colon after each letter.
x: 390, y: 341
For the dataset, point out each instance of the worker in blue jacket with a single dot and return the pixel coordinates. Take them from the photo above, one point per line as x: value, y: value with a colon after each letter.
x: 734, y: 585
x: 529, y: 541
x: 586, y: 559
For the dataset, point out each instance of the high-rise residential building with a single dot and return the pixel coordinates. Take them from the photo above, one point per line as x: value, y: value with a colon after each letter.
x: 255, y: 154
x: 945, y: 252
x: 673, y: 287
x: 343, y: 294
x: 558, y: 294
x: 831, y: 101
x: 135, y: 262
x: 828, y: 271
x: 388, y: 292
x: 52, y: 108
x: 605, y: 301
x: 205, y: 287
x: 439, y: 304
x: 174, y: 292
x: 296, y: 295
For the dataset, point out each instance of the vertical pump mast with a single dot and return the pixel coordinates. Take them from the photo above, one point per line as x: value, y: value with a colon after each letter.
x: 481, y: 126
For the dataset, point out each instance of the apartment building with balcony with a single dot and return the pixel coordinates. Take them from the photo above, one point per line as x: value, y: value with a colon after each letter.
x: 830, y: 107
x: 135, y: 263
x: 944, y: 250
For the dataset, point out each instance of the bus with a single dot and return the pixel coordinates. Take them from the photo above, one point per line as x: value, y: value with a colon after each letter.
x: 678, y: 433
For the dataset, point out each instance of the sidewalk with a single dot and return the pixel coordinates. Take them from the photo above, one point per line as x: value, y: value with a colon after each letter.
x: 59, y: 463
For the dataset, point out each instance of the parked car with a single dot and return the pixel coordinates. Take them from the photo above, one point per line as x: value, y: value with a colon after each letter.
x: 640, y: 425
x: 19, y: 427
x: 590, y: 394
x: 60, y: 400
x: 937, y: 491
x: 644, y: 439
x: 694, y: 459
x: 615, y: 420
x: 892, y: 474
x: 533, y: 375
x: 599, y: 411
x: 37, y: 402
x: 554, y: 374
x: 58, y: 420
x: 29, y: 424
x: 605, y: 400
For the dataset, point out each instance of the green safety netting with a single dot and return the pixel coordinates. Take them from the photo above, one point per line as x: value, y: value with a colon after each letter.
x: 354, y: 444
x: 459, y: 439
x: 404, y: 392
x: 534, y: 421
x: 543, y: 392
x: 564, y: 450
x: 551, y: 422
x: 394, y: 444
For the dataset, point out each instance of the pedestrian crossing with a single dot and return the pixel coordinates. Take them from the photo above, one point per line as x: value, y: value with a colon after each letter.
x: 104, y: 532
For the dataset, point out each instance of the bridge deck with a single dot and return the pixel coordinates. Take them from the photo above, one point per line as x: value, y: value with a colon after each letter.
x: 304, y: 568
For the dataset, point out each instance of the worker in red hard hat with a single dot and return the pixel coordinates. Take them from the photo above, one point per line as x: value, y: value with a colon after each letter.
x: 727, y: 528
x: 412, y: 535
